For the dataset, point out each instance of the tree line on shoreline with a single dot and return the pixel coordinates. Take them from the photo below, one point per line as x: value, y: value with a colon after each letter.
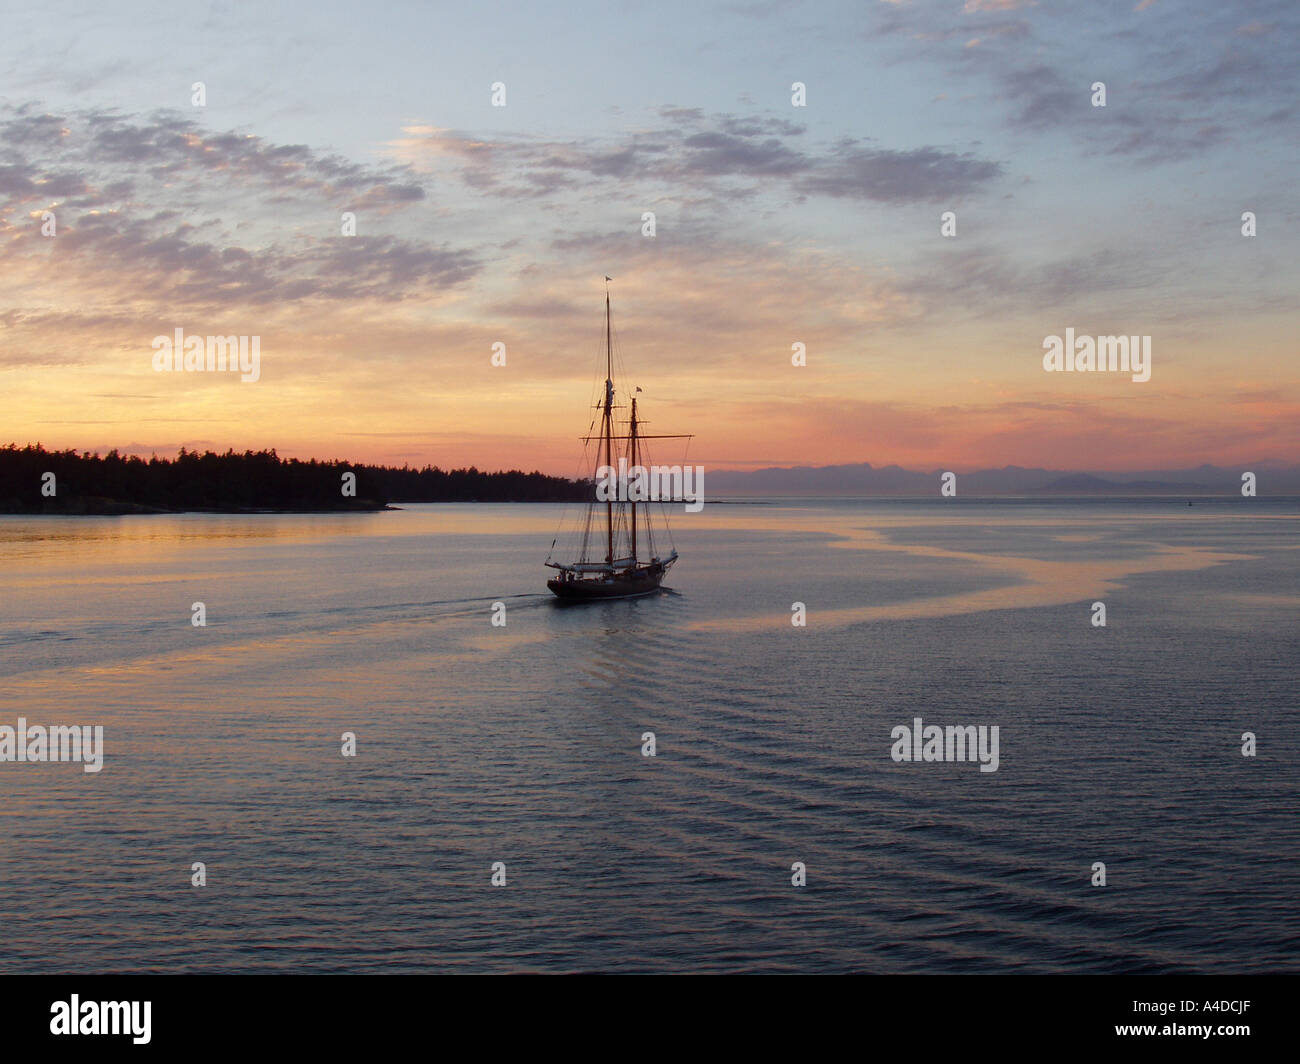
x: 36, y: 480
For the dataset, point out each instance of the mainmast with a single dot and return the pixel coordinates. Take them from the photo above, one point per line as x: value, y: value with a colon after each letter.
x: 632, y: 465
x: 609, y: 405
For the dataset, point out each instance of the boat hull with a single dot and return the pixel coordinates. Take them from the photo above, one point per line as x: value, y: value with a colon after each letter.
x: 634, y: 582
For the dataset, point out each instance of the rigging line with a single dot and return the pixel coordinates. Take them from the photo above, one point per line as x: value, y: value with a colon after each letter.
x: 577, y: 541
x: 584, y: 465
x: 567, y: 507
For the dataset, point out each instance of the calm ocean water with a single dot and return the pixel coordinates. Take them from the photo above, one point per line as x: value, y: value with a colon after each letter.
x: 522, y: 744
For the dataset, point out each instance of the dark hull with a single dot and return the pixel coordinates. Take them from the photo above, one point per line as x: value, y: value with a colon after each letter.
x: 622, y: 585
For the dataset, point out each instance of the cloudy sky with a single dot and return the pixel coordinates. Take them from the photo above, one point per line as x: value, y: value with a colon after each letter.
x: 775, y: 224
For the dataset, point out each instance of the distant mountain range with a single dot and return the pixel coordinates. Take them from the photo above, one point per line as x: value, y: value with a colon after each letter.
x: 1272, y: 478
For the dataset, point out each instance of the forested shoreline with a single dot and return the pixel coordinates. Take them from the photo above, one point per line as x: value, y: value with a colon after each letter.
x: 39, y: 481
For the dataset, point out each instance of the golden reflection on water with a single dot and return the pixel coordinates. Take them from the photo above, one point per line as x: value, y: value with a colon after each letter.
x: 1038, y: 582
x: 161, y: 548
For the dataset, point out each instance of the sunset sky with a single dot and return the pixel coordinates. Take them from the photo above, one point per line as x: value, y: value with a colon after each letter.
x: 776, y: 224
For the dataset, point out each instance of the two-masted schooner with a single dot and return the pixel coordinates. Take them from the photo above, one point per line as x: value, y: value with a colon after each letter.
x: 617, y: 556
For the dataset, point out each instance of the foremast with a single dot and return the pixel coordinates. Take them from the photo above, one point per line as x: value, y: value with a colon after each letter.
x: 607, y: 429
x: 609, y: 434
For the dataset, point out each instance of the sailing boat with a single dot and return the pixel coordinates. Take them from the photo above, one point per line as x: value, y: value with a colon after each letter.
x: 610, y: 563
